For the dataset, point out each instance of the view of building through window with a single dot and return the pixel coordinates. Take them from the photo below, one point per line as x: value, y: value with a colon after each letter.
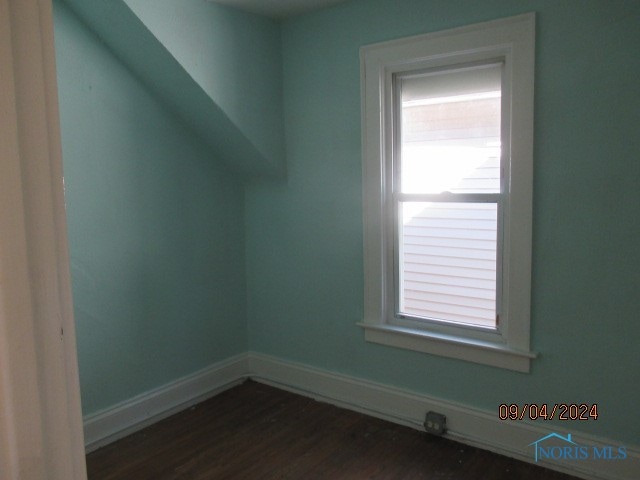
x: 448, y: 183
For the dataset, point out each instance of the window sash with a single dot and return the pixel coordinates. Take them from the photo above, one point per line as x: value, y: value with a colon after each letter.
x: 398, y: 198
x: 403, y: 318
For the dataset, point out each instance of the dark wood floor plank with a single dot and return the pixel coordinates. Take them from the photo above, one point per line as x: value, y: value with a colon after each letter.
x: 257, y: 432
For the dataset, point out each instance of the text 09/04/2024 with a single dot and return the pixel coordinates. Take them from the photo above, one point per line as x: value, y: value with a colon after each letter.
x: 543, y: 411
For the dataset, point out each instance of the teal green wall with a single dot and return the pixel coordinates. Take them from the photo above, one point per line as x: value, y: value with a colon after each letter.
x: 304, y: 238
x: 234, y: 57
x: 156, y: 230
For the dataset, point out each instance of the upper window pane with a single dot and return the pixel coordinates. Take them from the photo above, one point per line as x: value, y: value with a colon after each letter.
x: 450, y: 130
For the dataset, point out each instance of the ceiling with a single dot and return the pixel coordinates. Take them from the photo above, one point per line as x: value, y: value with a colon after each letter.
x: 278, y: 8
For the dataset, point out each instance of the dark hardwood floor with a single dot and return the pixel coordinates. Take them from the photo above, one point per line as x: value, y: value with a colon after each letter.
x: 254, y: 431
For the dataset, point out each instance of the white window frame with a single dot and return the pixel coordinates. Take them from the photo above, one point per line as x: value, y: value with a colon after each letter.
x: 512, y: 41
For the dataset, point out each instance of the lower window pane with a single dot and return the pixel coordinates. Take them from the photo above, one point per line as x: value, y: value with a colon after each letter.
x: 447, y: 262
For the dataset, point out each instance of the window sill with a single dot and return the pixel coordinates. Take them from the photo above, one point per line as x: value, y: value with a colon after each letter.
x: 478, y: 351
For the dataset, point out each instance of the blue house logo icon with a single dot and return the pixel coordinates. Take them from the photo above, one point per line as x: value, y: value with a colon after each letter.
x: 557, y: 447
x: 569, y: 449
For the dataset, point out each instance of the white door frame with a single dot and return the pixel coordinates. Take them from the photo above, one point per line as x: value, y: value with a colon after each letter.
x: 40, y: 416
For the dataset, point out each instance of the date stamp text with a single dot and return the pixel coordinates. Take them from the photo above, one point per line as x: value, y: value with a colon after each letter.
x: 544, y: 411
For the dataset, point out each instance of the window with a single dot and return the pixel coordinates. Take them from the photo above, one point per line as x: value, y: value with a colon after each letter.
x: 447, y: 177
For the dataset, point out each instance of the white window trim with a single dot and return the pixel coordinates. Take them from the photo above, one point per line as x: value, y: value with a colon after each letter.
x: 512, y: 39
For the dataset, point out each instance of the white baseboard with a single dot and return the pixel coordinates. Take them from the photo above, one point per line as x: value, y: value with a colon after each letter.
x: 464, y: 424
x: 104, y: 427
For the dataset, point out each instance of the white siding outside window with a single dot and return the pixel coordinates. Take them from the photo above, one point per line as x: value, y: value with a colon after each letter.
x: 448, y: 262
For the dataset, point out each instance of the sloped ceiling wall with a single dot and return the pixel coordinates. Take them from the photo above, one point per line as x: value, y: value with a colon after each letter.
x: 217, y: 68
